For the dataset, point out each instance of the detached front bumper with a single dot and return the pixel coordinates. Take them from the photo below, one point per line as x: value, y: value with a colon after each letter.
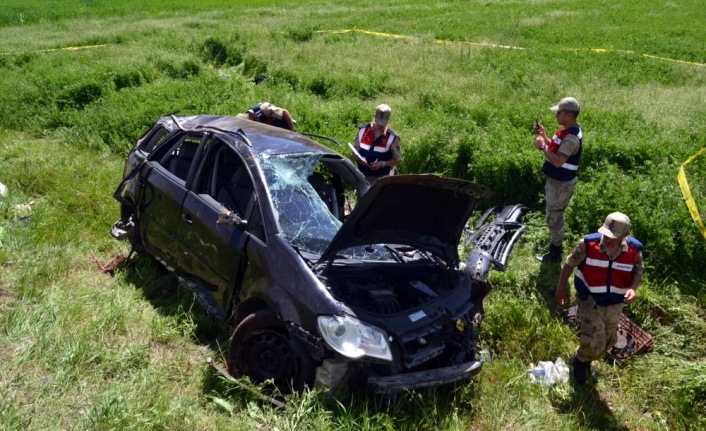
x: 423, y: 379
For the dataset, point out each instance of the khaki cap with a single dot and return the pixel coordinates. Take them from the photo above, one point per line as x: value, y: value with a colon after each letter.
x: 382, y: 114
x: 567, y: 104
x: 616, y: 224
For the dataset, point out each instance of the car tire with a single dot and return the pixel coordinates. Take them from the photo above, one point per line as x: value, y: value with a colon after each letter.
x: 260, y: 348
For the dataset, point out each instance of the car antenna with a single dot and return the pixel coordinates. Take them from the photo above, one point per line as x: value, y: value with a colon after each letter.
x: 241, y: 133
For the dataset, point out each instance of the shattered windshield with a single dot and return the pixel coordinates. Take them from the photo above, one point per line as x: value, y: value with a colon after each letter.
x: 303, y: 217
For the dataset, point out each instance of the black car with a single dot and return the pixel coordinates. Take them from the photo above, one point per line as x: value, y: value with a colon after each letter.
x: 324, y: 279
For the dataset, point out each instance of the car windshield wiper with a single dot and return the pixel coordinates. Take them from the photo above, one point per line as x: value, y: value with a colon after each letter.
x: 395, y: 254
x: 308, y: 258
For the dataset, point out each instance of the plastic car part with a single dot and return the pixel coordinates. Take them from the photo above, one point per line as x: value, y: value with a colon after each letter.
x: 493, y: 241
x: 122, y: 229
x: 353, y: 338
x: 423, y: 379
x: 260, y: 348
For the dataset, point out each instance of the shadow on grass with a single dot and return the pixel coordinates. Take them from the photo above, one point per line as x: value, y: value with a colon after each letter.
x: 545, y: 286
x: 425, y: 409
x: 589, y: 409
x: 161, y: 288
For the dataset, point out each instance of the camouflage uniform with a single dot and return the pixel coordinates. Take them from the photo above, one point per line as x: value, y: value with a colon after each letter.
x: 598, y: 323
x: 558, y: 195
x: 559, y: 192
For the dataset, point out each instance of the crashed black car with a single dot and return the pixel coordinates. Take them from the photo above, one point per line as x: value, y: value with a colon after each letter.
x: 324, y: 280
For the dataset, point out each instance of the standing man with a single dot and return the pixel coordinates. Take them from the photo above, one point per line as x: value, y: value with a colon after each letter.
x: 268, y: 113
x: 609, y: 269
x: 561, y: 161
x: 377, y: 146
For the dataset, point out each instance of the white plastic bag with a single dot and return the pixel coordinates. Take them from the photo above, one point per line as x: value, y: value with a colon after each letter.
x: 549, y: 373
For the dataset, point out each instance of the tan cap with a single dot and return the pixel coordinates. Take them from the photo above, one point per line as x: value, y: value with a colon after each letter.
x: 271, y: 110
x: 567, y: 104
x: 616, y: 224
x: 382, y: 114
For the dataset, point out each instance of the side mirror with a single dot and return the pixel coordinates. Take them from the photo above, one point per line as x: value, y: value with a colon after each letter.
x: 231, y: 218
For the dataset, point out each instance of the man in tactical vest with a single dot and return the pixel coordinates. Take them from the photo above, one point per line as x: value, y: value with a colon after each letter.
x: 608, y: 270
x: 377, y: 146
x: 561, y: 161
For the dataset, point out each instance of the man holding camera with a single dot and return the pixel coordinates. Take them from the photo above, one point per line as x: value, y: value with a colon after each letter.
x: 561, y: 161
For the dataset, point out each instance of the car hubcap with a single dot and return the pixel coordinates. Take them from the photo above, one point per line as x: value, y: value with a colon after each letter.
x: 271, y: 358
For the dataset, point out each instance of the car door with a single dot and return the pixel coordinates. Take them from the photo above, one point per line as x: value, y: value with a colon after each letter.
x: 165, y: 177
x: 213, y: 229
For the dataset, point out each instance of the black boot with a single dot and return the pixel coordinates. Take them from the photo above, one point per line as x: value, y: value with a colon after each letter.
x: 580, y: 370
x: 555, y: 254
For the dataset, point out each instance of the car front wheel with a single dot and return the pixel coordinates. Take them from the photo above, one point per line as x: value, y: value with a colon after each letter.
x: 261, y: 349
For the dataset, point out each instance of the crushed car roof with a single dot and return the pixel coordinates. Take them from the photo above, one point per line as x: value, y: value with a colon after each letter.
x: 264, y: 139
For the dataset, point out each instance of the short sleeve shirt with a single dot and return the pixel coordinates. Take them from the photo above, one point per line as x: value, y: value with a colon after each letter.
x: 569, y: 146
x: 396, y: 149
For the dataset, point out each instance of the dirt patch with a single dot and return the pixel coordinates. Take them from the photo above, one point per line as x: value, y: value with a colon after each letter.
x: 4, y: 294
x: 111, y: 266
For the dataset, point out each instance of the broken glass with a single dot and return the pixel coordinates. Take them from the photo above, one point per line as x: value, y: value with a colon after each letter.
x: 303, y: 217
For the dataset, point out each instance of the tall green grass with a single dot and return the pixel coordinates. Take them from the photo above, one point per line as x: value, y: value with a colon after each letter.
x: 87, y: 351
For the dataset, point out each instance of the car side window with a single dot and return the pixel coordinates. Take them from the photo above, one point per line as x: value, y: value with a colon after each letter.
x: 156, y: 137
x: 180, y: 155
x: 226, y: 179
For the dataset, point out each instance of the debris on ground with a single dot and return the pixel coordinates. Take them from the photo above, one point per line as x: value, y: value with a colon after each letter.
x: 243, y: 384
x: 549, y: 373
x: 23, y: 210
x: 110, y: 267
x: 632, y: 340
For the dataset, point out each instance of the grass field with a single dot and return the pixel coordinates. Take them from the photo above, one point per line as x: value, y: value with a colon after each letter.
x: 466, y: 79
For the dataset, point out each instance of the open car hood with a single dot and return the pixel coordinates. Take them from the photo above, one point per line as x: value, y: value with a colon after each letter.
x: 427, y: 212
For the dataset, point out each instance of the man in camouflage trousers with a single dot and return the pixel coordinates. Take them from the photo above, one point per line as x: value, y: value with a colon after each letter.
x: 608, y: 270
x: 561, y: 161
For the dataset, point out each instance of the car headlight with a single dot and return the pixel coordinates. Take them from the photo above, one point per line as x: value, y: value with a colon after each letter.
x: 353, y: 338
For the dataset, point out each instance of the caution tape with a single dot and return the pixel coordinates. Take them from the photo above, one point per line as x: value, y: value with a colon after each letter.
x: 622, y: 51
x: 68, y: 48
x: 73, y: 48
x: 686, y: 192
x: 405, y: 37
x: 494, y: 45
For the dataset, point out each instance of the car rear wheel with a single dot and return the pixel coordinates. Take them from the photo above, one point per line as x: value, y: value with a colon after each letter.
x: 261, y: 349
